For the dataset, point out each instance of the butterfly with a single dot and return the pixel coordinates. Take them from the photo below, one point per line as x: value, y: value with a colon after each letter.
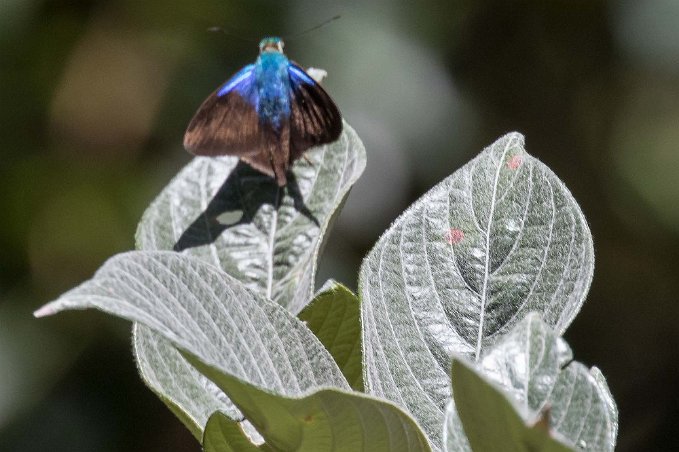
x: 268, y: 114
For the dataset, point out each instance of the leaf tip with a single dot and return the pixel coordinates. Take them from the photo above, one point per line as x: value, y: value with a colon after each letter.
x: 45, y: 311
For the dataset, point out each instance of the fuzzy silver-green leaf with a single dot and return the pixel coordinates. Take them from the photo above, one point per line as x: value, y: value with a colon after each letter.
x: 465, y: 263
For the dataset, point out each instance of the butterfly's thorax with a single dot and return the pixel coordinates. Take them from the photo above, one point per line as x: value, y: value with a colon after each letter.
x: 273, y: 86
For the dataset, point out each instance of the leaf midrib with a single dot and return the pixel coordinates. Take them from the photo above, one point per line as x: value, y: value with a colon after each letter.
x: 486, y: 267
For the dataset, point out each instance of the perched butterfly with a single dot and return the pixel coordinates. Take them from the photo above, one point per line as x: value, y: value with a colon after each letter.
x: 267, y: 114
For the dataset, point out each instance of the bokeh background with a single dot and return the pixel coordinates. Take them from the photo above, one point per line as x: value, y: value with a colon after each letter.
x: 95, y: 96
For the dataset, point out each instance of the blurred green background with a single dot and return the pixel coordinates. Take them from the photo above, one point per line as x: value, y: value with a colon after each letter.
x: 95, y: 96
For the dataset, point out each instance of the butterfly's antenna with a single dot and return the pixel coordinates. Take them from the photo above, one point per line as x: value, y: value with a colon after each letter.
x: 316, y: 27
x: 230, y: 35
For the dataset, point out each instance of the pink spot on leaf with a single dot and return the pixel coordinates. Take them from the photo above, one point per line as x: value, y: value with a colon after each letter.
x: 514, y: 162
x: 454, y: 236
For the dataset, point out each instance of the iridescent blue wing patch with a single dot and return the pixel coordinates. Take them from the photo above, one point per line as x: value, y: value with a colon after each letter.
x: 242, y: 83
x: 314, y: 117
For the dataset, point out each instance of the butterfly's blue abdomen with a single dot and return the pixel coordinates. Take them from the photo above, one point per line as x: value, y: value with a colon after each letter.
x: 273, y: 88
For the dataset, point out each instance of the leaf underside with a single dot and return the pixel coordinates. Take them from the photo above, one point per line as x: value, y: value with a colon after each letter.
x: 535, y: 368
x: 491, y: 421
x: 225, y: 213
x: 203, y: 311
x: 499, y: 238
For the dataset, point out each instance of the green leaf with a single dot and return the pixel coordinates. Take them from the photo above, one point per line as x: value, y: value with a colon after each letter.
x: 222, y: 434
x: 325, y: 420
x: 275, y: 253
x: 205, y: 312
x: 463, y: 265
x: 491, y: 421
x: 334, y: 317
x: 238, y: 219
x: 535, y: 368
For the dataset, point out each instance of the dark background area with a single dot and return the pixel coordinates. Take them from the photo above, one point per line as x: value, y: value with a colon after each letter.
x: 95, y: 96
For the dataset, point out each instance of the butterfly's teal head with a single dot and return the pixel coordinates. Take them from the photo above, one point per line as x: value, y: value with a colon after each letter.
x: 271, y: 44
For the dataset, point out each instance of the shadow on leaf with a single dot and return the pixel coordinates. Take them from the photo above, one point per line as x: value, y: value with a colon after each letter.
x: 237, y: 201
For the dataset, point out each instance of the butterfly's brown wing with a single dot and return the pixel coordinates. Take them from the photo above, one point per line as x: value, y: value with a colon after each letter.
x: 314, y: 117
